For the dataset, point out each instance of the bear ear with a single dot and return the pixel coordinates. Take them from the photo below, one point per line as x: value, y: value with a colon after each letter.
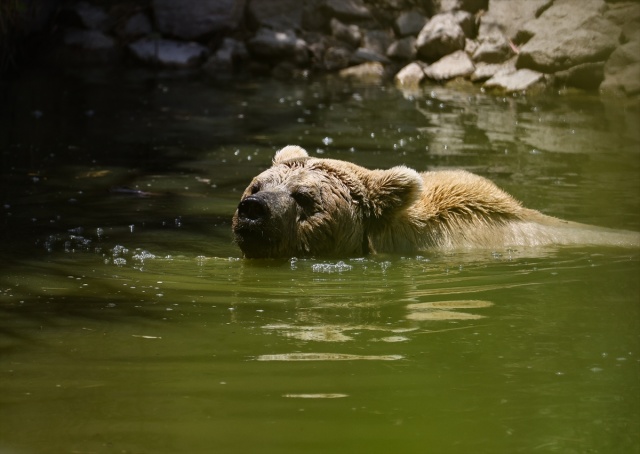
x: 392, y: 190
x: 290, y: 152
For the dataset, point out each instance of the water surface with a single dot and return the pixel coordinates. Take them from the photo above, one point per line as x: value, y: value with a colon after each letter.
x: 130, y: 323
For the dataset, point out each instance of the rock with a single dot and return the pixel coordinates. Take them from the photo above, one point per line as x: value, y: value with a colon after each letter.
x: 441, y: 36
x: 136, y: 26
x: 568, y: 34
x: 403, y: 49
x: 493, y: 48
x: 336, y: 58
x: 472, y: 6
x: 377, y: 41
x: 88, y: 39
x: 409, y: 23
x: 411, y: 76
x: 349, y: 34
x: 587, y: 76
x: 370, y: 72
x: 627, y: 16
x: 168, y: 52
x: 457, y: 64
x: 622, y: 71
x: 466, y: 21
x: 347, y: 10
x: 92, y: 17
x: 362, y: 55
x: 224, y: 60
x: 509, y: 16
x: 519, y: 80
x: 276, y: 14
x: 275, y: 45
x: 485, y: 71
x: 190, y: 19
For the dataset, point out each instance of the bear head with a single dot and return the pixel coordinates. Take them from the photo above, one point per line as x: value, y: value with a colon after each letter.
x: 305, y: 206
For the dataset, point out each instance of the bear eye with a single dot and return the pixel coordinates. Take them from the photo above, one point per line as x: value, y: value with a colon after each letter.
x: 305, y: 200
x: 255, y: 187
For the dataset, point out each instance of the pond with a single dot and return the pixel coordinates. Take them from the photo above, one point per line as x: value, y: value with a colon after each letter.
x: 131, y: 324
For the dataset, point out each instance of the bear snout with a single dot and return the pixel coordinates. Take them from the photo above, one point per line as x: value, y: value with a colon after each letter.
x: 253, y: 208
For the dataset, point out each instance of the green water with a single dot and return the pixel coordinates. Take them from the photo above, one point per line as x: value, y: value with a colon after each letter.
x: 130, y: 324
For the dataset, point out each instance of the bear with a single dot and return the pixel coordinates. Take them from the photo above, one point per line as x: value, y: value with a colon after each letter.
x: 312, y: 207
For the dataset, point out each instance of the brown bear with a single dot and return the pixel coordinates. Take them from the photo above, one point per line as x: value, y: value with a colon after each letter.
x: 305, y: 206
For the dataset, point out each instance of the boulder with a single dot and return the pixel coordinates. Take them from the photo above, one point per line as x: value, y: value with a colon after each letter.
x: 349, y: 34
x: 275, y: 45
x: 370, y: 72
x: 472, y: 6
x: 168, y: 52
x: 441, y: 36
x: 587, y: 76
x: 377, y: 40
x: 135, y: 26
x: 347, y: 10
x: 411, y: 76
x: 409, y: 23
x: 336, y: 57
x: 362, y: 54
x: 485, y: 71
x: 457, y: 64
x: 403, y: 49
x: 508, y: 16
x: 466, y: 21
x: 493, y: 48
x: 568, y: 34
x: 92, y: 17
x: 224, y: 60
x: 94, y: 40
x: 276, y: 14
x: 622, y: 71
x: 520, y: 80
x: 190, y: 19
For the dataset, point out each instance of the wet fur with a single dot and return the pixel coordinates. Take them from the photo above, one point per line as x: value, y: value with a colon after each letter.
x: 357, y: 211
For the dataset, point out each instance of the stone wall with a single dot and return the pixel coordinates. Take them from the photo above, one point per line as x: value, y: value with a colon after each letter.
x: 509, y: 45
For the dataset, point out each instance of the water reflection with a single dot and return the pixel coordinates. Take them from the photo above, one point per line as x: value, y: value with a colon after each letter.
x: 326, y: 357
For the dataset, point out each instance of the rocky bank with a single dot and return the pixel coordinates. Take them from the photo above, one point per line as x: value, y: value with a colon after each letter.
x: 506, y: 45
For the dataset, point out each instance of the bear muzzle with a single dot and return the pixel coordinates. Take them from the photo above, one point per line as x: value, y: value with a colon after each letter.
x: 253, y: 209
x: 259, y: 222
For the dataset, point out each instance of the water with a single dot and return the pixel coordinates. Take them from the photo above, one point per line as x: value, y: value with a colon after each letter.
x: 131, y: 324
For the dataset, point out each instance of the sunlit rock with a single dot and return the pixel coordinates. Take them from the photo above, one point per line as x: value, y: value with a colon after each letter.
x: 485, y: 71
x: 370, y: 72
x: 441, y: 36
x: 568, y: 34
x: 508, y: 16
x: 622, y: 70
x: 519, y: 80
x: 411, y: 76
x: 493, y: 48
x: 457, y: 64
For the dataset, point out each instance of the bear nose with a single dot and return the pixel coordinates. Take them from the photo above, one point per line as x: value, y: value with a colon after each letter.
x: 253, y: 208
